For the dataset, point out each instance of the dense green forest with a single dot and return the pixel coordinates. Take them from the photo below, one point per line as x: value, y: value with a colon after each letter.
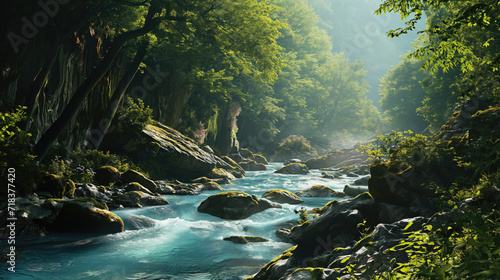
x: 81, y: 78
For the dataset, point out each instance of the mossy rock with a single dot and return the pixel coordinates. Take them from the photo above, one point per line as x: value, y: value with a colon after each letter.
x: 212, y: 186
x: 219, y: 173
x: 106, y: 175
x: 56, y: 186
x: 134, y: 186
x: 234, y: 205
x: 139, y: 199
x: 133, y: 176
x: 245, y: 239
x: 246, y: 153
x: 261, y: 159
x: 83, y: 217
x: 266, y: 271
x: 319, y: 191
x: 282, y: 196
x: 252, y: 165
x: 293, y: 168
x: 306, y: 273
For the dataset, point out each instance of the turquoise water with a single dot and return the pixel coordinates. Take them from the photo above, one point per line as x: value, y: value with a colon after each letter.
x: 184, y: 244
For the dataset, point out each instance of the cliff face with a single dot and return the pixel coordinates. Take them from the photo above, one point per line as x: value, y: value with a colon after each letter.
x: 44, y: 81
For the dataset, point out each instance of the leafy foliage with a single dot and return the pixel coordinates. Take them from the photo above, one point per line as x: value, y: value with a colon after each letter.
x: 15, y: 152
x: 134, y: 116
x: 295, y: 144
x: 79, y: 165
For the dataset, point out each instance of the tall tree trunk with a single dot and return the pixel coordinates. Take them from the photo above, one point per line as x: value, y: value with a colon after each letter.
x: 101, y: 125
x: 70, y: 111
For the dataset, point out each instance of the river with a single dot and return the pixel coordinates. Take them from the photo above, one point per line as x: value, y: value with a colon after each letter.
x: 183, y: 245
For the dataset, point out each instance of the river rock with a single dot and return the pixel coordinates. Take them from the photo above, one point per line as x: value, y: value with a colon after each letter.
x: 319, y: 191
x: 246, y: 153
x: 404, y: 188
x: 130, y: 176
x: 252, y: 165
x: 283, y: 235
x: 171, y: 153
x: 245, y: 239
x: 56, y: 186
x: 354, y: 190
x: 106, y: 175
x: 282, y: 196
x: 138, y: 222
x: 100, y: 194
x: 261, y: 159
x: 86, y: 217
x: 330, y: 176
x: 134, y: 186
x: 139, y: 199
x: 234, y: 205
x: 363, y: 181
x: 293, y: 168
x: 293, y: 160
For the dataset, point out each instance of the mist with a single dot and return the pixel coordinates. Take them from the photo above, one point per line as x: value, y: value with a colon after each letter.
x: 361, y: 35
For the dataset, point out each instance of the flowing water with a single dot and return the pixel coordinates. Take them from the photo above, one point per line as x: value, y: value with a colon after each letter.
x: 184, y: 244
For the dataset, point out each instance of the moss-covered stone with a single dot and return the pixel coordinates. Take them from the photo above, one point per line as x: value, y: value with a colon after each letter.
x: 282, y: 196
x: 306, y: 273
x: 134, y: 186
x: 139, y: 199
x: 219, y: 173
x: 106, y: 175
x: 293, y: 168
x: 266, y: 270
x: 245, y: 239
x: 252, y: 165
x: 260, y: 159
x: 246, y: 153
x: 133, y: 176
x: 82, y: 216
x: 234, y: 205
x: 320, y: 191
x: 53, y: 186
x: 69, y: 189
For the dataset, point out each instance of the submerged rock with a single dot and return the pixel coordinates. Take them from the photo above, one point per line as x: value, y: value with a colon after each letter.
x: 293, y: 168
x: 319, y: 191
x: 245, y: 239
x: 234, y: 205
x: 282, y: 196
x: 138, y: 222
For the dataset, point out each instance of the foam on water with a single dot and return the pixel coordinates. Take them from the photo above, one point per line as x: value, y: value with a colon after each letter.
x: 183, y: 243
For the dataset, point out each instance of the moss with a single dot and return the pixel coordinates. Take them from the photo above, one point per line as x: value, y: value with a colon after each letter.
x: 86, y: 200
x: 328, y: 205
x: 316, y: 272
x: 266, y: 269
x: 365, y: 195
x: 70, y: 189
x: 362, y: 242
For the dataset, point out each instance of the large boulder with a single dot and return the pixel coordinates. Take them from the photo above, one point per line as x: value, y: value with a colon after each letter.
x: 363, y: 181
x: 106, y: 175
x: 392, y: 183
x: 100, y: 194
x: 86, y: 216
x: 282, y: 196
x: 354, y: 190
x: 138, y: 222
x: 171, y: 153
x: 131, y: 176
x: 234, y: 205
x: 56, y: 186
x: 319, y: 191
x: 252, y: 165
x: 261, y: 159
x: 293, y: 168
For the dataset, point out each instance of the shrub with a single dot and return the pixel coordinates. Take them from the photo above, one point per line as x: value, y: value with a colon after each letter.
x: 79, y: 165
x: 15, y: 152
x: 134, y: 115
x: 294, y: 144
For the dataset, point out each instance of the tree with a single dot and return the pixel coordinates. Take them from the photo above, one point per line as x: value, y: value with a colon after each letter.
x: 402, y: 94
